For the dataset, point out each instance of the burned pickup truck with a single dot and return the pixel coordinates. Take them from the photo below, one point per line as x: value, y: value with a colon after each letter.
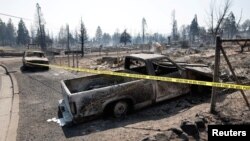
x: 93, y: 95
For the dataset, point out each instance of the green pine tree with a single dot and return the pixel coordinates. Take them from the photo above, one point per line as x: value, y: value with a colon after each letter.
x: 125, y: 37
x: 22, y: 34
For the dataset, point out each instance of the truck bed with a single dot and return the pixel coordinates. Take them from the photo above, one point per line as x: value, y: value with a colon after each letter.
x: 93, y: 82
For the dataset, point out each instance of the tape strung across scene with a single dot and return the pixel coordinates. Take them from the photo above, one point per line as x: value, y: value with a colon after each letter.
x: 151, y: 77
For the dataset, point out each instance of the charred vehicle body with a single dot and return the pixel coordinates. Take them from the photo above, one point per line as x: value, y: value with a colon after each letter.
x: 34, y: 57
x: 93, y: 95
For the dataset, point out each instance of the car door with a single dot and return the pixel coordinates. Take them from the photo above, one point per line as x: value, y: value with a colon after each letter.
x: 168, y: 90
x: 146, y: 88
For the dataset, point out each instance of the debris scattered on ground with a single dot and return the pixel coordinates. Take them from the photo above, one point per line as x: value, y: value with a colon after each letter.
x: 109, y: 62
x: 59, y: 121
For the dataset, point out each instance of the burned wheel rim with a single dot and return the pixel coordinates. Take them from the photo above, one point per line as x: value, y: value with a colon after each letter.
x: 120, y: 109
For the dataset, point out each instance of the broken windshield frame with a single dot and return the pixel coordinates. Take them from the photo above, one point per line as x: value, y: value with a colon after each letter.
x: 35, y: 54
x: 166, y: 61
x: 165, y: 66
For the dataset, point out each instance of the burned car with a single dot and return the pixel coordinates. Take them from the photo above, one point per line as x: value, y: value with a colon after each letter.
x: 34, y: 57
x: 89, y: 96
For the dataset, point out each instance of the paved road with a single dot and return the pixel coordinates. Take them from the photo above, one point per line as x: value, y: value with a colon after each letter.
x: 39, y: 95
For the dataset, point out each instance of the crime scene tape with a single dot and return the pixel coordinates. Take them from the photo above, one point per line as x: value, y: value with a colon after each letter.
x: 151, y: 77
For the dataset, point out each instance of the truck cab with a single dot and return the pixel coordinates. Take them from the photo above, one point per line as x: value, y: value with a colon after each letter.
x: 158, y: 65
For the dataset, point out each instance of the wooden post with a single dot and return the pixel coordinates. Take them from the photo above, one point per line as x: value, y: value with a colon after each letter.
x: 216, y: 74
x: 77, y: 60
x: 73, y: 55
x: 60, y: 61
x: 68, y: 44
x: 82, y: 38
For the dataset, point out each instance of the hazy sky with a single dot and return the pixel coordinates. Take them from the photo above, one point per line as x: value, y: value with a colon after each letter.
x: 115, y: 14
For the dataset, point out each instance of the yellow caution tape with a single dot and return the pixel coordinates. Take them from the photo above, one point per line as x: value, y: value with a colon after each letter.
x: 151, y: 77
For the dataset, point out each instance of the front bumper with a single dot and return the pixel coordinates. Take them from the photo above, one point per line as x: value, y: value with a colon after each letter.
x: 66, y: 115
x: 44, y: 64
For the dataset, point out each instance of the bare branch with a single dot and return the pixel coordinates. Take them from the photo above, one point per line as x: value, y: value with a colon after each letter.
x: 211, y: 16
x: 217, y: 15
x: 238, y: 23
x: 222, y: 14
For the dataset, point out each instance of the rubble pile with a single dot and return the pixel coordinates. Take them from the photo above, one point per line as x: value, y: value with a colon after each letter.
x: 109, y: 62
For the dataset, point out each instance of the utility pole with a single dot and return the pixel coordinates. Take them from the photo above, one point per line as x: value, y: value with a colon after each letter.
x: 41, y: 28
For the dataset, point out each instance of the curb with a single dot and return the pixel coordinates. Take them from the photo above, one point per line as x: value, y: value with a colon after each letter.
x: 15, y: 88
x: 14, y: 113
